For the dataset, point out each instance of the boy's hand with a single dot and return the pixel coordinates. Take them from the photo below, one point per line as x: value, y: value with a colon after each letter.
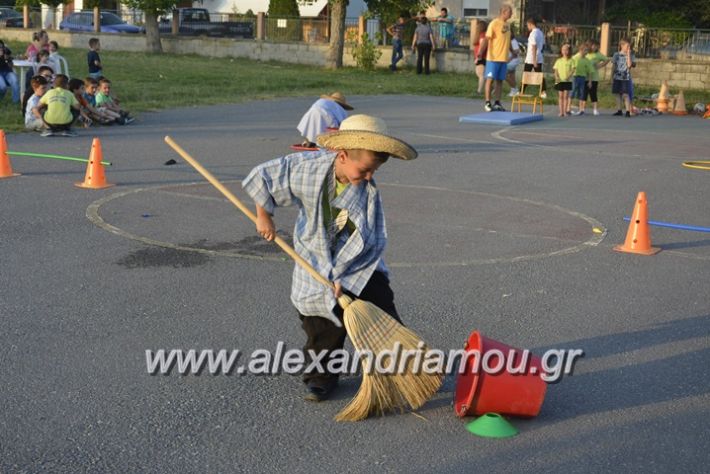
x: 338, y: 290
x: 265, y: 226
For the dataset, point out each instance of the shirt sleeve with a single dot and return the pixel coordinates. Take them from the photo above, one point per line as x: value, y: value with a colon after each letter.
x: 269, y: 184
x: 490, y: 32
x: 532, y: 39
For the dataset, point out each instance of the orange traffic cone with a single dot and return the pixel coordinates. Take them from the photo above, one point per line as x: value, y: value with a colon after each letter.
x: 679, y: 108
x: 638, y: 237
x: 663, y: 99
x: 5, y: 166
x: 95, y: 178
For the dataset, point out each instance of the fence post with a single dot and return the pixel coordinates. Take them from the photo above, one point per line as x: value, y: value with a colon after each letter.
x: 260, y: 26
x: 360, y: 28
x: 175, y: 22
x: 605, y: 40
x: 26, y: 16
x: 97, y: 20
x: 473, y: 35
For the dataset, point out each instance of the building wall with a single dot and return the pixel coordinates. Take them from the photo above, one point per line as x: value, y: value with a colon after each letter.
x: 687, y: 73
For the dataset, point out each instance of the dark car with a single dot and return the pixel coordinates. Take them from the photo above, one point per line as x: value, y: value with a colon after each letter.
x: 110, y: 23
x: 10, y: 18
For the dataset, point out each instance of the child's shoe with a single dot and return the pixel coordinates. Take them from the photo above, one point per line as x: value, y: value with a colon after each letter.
x: 498, y: 107
x: 488, y: 107
x: 618, y: 113
x: 47, y: 133
x: 596, y: 112
x: 513, y: 92
x: 543, y: 95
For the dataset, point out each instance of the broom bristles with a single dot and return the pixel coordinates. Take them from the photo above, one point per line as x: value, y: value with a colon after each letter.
x: 373, y: 330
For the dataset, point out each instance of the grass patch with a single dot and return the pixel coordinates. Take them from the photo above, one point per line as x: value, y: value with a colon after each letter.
x: 147, y: 82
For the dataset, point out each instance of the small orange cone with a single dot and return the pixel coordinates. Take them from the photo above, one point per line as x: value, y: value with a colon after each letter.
x: 5, y: 166
x: 638, y: 237
x: 679, y: 108
x: 663, y: 99
x: 95, y: 178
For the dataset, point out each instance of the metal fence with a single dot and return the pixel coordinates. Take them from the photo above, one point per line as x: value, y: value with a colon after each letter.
x: 557, y: 35
x: 661, y: 42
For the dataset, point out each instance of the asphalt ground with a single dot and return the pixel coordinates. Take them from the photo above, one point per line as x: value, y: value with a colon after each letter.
x: 490, y: 229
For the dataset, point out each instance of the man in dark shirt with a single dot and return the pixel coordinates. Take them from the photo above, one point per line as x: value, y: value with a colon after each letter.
x: 8, y: 78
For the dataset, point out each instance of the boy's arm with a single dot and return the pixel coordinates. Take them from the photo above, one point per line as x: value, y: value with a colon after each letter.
x: 269, y: 186
x: 264, y: 224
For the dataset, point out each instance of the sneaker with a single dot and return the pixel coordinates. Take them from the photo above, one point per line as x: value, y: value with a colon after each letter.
x: 318, y: 392
x: 578, y: 112
x: 498, y: 107
x: 596, y: 112
x: 68, y: 133
x: 628, y: 114
x: 128, y: 119
x: 543, y: 94
x: 513, y: 92
x: 618, y: 113
x: 488, y: 106
x: 47, y: 133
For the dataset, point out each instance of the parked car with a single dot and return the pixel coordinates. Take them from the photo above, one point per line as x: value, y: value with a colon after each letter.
x: 197, y: 21
x: 10, y: 18
x: 110, y: 23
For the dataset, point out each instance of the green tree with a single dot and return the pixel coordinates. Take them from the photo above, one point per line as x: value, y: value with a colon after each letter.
x: 151, y: 9
x: 283, y: 9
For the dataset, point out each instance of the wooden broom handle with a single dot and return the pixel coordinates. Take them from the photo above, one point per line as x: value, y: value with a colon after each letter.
x: 228, y: 194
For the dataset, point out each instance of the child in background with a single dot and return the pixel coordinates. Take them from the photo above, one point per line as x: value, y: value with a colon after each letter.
x: 104, y: 99
x: 564, y: 71
x: 33, y: 115
x: 513, y: 62
x: 92, y: 57
x: 87, y: 101
x: 91, y: 86
x: 56, y: 60
x: 582, y: 78
x: 62, y: 108
x: 622, y: 62
x: 598, y: 61
x: 76, y: 87
x: 48, y: 75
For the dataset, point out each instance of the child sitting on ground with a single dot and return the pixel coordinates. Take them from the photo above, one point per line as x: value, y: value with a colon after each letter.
x: 564, y: 70
x: 33, y: 115
x: 582, y: 78
x: 106, y: 101
x: 62, y: 108
x: 76, y: 87
x: 48, y: 75
x: 622, y: 62
x: 91, y: 86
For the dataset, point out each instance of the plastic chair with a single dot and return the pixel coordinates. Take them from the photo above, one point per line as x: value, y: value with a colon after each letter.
x: 530, y: 78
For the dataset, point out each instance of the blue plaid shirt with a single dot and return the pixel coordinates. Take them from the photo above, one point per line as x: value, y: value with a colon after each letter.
x: 301, y: 179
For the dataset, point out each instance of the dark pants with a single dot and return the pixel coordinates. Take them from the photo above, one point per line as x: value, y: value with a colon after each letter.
x: 322, y: 334
x: 60, y: 127
x: 529, y: 67
x: 423, y: 54
x: 592, y: 91
x: 397, y: 53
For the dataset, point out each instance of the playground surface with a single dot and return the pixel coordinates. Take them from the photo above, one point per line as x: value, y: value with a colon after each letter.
x: 490, y: 229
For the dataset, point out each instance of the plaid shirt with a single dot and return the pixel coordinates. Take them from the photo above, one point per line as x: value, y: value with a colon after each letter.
x: 301, y: 179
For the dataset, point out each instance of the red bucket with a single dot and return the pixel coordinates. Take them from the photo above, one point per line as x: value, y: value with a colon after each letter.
x: 478, y: 392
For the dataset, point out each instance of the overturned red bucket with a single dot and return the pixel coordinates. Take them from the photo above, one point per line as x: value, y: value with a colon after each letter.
x: 498, y: 378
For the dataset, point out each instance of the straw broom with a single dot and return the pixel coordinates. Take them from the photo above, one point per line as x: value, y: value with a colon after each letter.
x: 371, y: 331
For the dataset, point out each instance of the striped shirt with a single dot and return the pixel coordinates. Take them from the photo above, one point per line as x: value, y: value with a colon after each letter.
x: 301, y: 179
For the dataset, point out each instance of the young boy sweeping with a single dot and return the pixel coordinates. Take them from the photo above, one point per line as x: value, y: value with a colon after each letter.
x: 340, y: 229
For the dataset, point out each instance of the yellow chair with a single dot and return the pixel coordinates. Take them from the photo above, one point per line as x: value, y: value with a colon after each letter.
x: 530, y: 78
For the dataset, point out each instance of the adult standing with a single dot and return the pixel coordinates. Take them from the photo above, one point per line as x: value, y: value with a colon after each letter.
x: 497, y: 43
x: 397, y: 32
x: 423, y: 43
x: 536, y: 43
x: 8, y: 78
x: 446, y: 28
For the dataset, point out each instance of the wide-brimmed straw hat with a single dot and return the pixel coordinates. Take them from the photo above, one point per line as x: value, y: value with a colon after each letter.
x: 364, y: 132
x: 339, y: 98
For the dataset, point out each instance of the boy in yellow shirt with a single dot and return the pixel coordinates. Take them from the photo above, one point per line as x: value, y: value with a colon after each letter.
x: 62, y: 108
x: 582, y: 78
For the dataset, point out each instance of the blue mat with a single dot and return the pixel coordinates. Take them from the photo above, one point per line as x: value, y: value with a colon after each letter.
x: 501, y: 118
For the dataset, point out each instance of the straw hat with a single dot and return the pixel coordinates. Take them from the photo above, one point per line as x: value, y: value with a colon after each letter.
x: 364, y: 132
x: 339, y: 98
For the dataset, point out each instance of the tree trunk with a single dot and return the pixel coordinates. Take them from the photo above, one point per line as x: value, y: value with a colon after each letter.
x: 152, y: 34
x: 334, y: 60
